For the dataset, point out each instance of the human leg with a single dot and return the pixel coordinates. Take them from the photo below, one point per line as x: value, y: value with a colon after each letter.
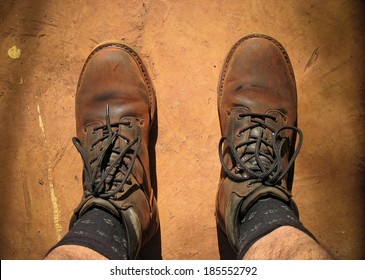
x: 74, y: 252
x: 115, y: 112
x: 257, y: 105
x: 287, y: 243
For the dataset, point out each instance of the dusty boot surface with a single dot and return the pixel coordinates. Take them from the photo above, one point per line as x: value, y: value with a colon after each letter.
x: 115, y: 111
x: 257, y: 106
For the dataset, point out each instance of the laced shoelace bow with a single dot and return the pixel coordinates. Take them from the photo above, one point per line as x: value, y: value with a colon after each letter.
x: 267, y: 168
x: 103, y: 163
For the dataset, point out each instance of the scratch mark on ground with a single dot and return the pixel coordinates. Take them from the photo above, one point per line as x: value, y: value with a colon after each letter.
x: 26, y: 196
x: 60, y: 153
x: 41, y: 22
x: 40, y: 121
x: 94, y: 41
x: 334, y: 69
x: 56, y: 210
x: 313, y: 59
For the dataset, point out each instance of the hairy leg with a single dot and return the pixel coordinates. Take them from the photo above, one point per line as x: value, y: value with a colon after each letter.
x: 74, y: 252
x: 285, y: 243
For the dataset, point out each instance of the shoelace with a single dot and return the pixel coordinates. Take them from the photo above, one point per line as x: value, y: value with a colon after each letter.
x: 97, y: 188
x: 268, y: 174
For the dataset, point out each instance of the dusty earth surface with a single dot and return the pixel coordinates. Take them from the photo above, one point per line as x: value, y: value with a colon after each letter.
x: 184, y: 44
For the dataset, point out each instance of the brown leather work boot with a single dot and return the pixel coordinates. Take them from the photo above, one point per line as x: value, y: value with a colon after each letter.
x: 257, y: 105
x: 115, y: 110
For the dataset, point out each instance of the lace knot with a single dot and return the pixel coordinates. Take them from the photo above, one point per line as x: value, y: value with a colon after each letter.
x: 107, y: 174
x: 260, y: 156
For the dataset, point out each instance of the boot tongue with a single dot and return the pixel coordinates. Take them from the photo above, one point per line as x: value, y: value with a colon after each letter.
x: 119, y: 145
x: 258, y: 136
x: 121, y: 170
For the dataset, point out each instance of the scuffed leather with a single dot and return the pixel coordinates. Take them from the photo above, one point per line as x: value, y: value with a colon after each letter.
x: 257, y: 77
x: 115, y: 75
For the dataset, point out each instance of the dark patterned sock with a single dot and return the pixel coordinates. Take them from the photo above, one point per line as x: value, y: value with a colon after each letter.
x: 264, y: 216
x: 100, y: 231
